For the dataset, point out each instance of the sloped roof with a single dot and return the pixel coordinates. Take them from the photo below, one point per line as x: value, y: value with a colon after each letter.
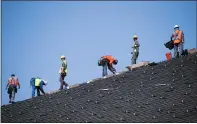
x: 166, y: 92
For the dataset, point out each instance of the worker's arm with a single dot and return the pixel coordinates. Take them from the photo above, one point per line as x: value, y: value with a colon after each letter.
x: 137, y: 44
x: 183, y: 38
x: 7, y: 85
x: 19, y: 85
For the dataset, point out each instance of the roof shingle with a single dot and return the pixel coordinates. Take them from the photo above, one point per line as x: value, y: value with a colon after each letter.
x: 162, y: 93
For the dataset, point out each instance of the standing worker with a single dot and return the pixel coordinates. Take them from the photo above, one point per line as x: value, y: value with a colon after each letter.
x: 12, y: 87
x: 135, y: 49
x: 107, y: 61
x: 178, y: 40
x: 37, y: 84
x: 63, y: 72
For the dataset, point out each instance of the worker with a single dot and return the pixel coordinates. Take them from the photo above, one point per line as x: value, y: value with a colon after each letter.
x: 178, y: 40
x: 135, y: 49
x: 63, y: 72
x: 37, y: 84
x: 107, y: 61
x: 12, y: 87
x: 32, y: 84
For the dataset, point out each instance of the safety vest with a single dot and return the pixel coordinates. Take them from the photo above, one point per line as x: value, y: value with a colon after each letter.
x: 178, y: 36
x: 64, y: 65
x: 13, y: 81
x: 37, y: 82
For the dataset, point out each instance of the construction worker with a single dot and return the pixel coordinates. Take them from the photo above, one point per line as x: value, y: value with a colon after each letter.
x: 178, y: 40
x: 12, y: 87
x: 107, y: 61
x: 135, y: 49
x: 63, y: 72
x: 32, y: 84
x: 37, y: 84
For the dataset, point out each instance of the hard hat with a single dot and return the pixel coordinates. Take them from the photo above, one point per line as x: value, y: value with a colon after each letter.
x: 63, y: 57
x: 135, y: 36
x: 176, y: 26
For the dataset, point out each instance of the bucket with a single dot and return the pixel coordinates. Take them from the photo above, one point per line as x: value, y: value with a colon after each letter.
x: 168, y: 56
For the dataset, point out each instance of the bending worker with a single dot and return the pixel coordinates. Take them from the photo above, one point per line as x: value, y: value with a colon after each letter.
x: 107, y: 61
x: 135, y: 49
x: 178, y: 40
x: 37, y: 84
x: 63, y: 72
x: 12, y: 87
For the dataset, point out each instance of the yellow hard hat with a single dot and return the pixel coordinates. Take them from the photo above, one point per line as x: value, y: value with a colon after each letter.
x: 135, y: 36
x: 63, y: 57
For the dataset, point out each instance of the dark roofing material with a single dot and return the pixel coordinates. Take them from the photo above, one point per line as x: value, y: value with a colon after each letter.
x: 166, y: 92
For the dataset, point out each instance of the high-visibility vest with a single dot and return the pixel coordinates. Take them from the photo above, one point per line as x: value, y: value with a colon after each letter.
x: 178, y: 36
x: 37, y: 82
x: 13, y: 81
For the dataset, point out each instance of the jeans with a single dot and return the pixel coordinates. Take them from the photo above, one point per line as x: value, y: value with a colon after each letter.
x: 62, y: 82
x: 109, y: 66
x: 134, y: 58
x: 33, y: 90
x: 105, y: 69
x: 178, y: 48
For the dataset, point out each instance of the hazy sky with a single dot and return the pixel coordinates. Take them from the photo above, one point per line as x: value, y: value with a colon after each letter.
x: 36, y: 34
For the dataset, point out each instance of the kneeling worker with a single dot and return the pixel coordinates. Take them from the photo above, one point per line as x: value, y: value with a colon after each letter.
x: 37, y: 84
x: 107, y: 61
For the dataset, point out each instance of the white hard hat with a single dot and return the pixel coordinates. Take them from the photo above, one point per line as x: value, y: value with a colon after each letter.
x: 62, y: 57
x: 176, y: 26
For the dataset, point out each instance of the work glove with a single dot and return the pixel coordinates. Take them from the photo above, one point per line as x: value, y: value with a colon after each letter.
x: 131, y: 52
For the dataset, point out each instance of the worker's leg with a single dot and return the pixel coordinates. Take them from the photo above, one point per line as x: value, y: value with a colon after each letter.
x: 61, y: 82
x: 111, y: 68
x: 175, y: 51
x: 10, y: 97
x: 105, y: 69
x: 10, y: 94
x: 180, y: 49
x: 41, y: 89
x: 134, y: 57
x: 38, y: 90
x: 33, y: 91
x: 137, y: 56
x: 64, y: 83
x: 13, y: 94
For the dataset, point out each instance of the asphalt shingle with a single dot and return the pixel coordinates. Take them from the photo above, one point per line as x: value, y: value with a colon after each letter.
x: 162, y: 93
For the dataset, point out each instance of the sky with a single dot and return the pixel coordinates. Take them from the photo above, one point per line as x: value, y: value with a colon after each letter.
x: 36, y: 34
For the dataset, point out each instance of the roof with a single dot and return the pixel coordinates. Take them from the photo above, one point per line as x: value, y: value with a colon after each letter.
x: 166, y: 92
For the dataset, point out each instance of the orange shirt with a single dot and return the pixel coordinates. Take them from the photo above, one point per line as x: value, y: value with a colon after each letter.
x: 109, y: 58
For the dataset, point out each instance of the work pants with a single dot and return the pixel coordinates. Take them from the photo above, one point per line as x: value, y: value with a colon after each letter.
x: 178, y: 50
x: 62, y: 82
x: 39, y: 88
x: 134, y: 57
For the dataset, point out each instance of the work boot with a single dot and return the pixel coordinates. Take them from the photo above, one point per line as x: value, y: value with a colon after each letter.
x: 10, y: 101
